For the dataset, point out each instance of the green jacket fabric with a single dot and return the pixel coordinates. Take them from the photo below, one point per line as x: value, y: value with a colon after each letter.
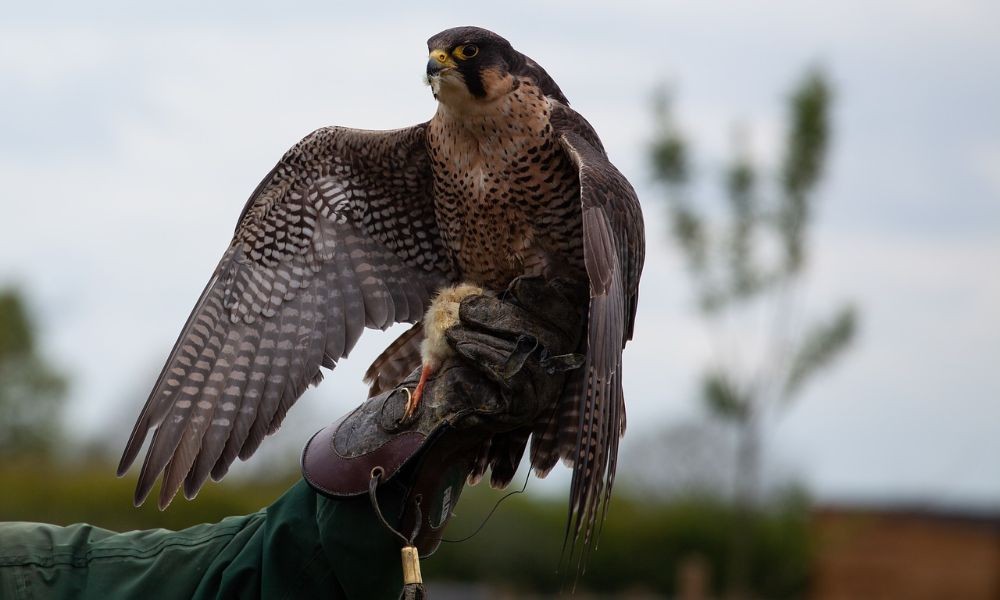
x: 302, y: 546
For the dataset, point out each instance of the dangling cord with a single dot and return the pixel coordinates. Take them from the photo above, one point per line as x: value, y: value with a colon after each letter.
x: 413, y: 584
x: 523, y: 348
x: 492, y: 510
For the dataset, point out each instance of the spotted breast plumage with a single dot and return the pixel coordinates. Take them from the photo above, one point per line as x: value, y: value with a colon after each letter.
x: 356, y: 229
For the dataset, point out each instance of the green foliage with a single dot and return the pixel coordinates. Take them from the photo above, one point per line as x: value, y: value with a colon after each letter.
x: 669, y: 150
x: 803, y: 163
x: 40, y: 491
x: 808, y: 135
x: 723, y: 399
x: 689, y: 231
x: 670, y: 166
x: 16, y: 336
x: 642, y: 544
x: 741, y: 181
x: 820, y: 346
x: 670, y: 159
x: 31, y: 391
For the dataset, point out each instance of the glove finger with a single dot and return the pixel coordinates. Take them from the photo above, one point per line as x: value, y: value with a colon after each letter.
x: 524, y: 348
x: 507, y: 321
x: 487, y: 352
x: 490, y: 314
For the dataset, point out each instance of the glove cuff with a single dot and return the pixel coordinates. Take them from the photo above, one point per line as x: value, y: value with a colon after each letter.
x: 429, y: 464
x: 335, y: 474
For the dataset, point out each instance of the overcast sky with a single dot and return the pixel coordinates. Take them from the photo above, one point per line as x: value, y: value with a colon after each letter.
x: 131, y: 137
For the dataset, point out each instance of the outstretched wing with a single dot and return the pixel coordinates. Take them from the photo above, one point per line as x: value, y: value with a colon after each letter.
x: 340, y: 235
x: 614, y: 249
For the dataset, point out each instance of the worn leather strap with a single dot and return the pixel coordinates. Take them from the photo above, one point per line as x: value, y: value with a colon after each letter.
x: 329, y: 468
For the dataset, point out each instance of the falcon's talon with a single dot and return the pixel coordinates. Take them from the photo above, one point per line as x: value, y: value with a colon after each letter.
x: 407, y: 406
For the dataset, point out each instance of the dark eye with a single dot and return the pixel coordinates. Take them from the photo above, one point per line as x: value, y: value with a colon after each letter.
x: 467, y: 51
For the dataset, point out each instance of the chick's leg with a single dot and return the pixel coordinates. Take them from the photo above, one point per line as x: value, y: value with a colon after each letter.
x: 442, y: 314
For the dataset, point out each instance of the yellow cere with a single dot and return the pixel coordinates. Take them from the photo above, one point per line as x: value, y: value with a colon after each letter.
x: 442, y: 57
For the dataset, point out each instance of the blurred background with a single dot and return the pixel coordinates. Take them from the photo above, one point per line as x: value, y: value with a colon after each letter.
x: 813, y: 389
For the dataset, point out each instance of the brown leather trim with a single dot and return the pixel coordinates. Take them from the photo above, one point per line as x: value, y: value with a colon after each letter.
x: 331, y: 473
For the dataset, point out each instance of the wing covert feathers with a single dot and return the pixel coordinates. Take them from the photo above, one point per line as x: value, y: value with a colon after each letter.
x: 340, y: 235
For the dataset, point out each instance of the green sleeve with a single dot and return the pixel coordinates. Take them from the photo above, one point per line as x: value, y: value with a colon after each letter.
x: 302, y: 546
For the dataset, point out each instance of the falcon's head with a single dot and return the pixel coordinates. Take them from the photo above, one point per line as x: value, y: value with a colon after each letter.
x: 470, y: 65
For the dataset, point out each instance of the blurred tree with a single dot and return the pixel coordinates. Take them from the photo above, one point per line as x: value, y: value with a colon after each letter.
x: 31, y: 391
x: 746, y: 262
x: 643, y: 543
x: 89, y: 491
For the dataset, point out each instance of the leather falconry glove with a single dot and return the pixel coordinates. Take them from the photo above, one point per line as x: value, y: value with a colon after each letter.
x: 511, y: 354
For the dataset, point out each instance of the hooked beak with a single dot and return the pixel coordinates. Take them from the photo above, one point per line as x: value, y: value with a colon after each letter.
x: 434, y: 67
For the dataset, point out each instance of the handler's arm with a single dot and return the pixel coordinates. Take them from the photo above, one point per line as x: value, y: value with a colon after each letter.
x: 332, y: 544
x: 302, y: 546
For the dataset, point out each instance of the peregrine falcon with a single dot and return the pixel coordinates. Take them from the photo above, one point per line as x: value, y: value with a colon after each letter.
x: 355, y: 229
